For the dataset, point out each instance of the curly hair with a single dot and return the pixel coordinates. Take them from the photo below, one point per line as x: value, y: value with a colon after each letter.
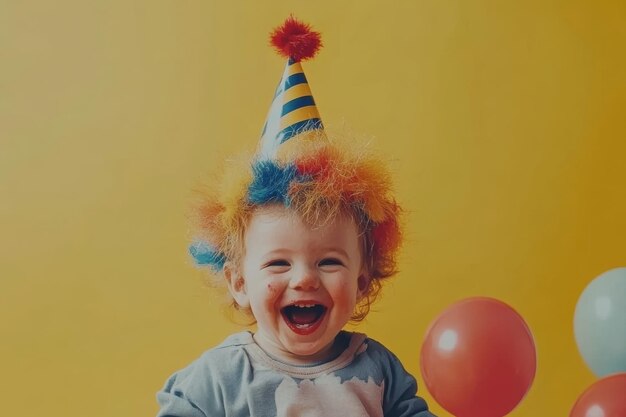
x: 318, y: 179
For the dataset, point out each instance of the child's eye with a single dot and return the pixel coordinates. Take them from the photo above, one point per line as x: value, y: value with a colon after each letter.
x: 330, y: 262
x: 277, y: 262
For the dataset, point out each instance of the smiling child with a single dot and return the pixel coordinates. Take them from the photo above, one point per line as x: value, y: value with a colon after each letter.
x: 303, y: 240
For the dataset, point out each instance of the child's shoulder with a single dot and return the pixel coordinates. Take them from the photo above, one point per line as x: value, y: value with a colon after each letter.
x: 379, y: 355
x: 219, y: 358
x: 376, y: 348
x: 235, y: 340
x: 225, y: 350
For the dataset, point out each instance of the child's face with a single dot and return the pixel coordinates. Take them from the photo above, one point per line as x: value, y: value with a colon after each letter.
x: 302, y: 283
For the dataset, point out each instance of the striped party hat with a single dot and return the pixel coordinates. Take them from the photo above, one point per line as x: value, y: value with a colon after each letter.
x: 293, y: 109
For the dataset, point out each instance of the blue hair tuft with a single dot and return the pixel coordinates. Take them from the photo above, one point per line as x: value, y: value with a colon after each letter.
x: 204, y: 255
x: 270, y: 182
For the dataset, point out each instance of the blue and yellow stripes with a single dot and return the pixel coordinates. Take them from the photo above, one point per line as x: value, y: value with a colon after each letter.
x: 293, y: 109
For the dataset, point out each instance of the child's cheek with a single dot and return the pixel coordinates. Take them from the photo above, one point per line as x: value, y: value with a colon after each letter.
x: 272, y: 289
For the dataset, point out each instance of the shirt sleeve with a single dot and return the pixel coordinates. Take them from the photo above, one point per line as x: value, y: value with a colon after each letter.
x: 190, y: 392
x: 174, y: 406
x: 400, y: 396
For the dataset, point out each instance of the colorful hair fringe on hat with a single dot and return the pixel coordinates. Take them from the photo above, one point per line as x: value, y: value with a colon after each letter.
x: 316, y: 177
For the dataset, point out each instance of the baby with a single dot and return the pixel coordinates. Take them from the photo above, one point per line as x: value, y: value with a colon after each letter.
x: 303, y: 239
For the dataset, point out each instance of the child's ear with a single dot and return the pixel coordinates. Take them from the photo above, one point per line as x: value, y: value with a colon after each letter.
x: 236, y: 285
x: 363, y: 285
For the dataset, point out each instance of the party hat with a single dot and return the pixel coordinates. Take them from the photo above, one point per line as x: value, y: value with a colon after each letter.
x: 293, y: 110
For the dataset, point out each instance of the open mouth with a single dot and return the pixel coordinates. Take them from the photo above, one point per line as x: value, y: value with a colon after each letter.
x: 303, y: 318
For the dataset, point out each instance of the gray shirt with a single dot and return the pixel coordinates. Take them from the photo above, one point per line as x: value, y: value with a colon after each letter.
x: 238, y: 379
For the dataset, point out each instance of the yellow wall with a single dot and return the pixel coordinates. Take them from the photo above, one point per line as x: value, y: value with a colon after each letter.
x: 506, y: 120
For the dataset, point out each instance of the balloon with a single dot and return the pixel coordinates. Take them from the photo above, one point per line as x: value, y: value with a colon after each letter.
x: 478, y: 358
x: 605, y: 398
x: 600, y: 323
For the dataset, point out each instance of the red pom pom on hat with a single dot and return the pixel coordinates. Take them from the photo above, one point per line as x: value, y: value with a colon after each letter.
x: 295, y: 39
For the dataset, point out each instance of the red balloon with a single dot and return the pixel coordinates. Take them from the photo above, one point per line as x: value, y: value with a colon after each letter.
x: 478, y: 358
x: 605, y: 398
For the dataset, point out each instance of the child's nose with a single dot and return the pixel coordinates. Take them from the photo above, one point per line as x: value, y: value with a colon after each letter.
x: 305, y: 279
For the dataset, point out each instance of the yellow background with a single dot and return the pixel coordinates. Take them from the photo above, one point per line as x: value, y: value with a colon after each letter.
x: 505, y: 120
